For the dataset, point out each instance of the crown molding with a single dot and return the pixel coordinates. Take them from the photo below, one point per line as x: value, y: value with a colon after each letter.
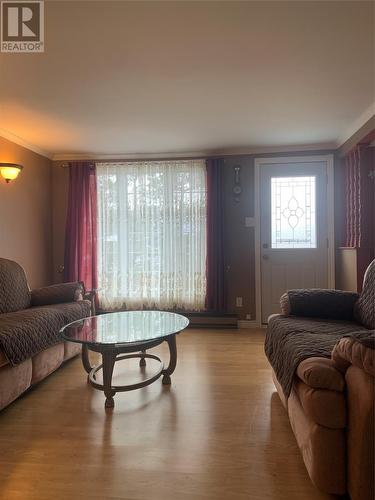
x: 357, y: 125
x: 123, y: 156
x: 18, y: 140
x: 196, y: 154
x: 350, y: 131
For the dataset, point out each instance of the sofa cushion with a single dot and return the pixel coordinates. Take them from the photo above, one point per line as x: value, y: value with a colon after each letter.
x: 319, y: 303
x: 290, y: 340
x: 323, y: 406
x: 71, y: 349
x: 14, y: 290
x: 72, y: 311
x: 14, y: 380
x: 320, y: 373
x: 46, y: 362
x: 25, y: 333
x: 57, y: 294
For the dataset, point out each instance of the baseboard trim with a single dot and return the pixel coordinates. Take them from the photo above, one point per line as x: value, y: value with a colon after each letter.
x: 244, y: 323
x: 212, y: 321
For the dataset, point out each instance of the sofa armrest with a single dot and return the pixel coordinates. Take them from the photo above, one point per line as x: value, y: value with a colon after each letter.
x: 319, y: 303
x: 321, y: 373
x: 348, y: 351
x: 91, y: 295
x: 57, y: 294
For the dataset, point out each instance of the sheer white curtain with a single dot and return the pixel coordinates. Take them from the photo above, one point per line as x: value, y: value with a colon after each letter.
x: 152, y: 234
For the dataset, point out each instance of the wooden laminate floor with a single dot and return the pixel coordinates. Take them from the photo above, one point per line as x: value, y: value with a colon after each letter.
x: 219, y: 432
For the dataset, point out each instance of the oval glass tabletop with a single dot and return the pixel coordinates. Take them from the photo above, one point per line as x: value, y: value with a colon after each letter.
x: 124, y: 327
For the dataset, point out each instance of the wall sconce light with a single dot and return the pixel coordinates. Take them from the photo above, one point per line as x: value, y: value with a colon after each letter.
x: 10, y: 171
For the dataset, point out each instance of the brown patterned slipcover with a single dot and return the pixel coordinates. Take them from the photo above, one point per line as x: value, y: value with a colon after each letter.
x: 319, y: 303
x: 57, y: 294
x: 14, y: 290
x: 290, y: 340
x: 315, y: 321
x: 26, y: 331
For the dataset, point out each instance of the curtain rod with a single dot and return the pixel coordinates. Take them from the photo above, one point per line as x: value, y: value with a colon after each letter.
x: 139, y: 160
x: 222, y: 156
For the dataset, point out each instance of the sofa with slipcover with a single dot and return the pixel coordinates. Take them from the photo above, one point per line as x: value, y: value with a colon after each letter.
x: 30, y: 345
x: 321, y: 350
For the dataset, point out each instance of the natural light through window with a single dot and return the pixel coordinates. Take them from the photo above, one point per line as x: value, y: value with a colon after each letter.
x: 152, y: 234
x: 293, y: 212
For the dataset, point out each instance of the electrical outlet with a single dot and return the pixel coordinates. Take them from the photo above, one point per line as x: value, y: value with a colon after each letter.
x: 238, y: 301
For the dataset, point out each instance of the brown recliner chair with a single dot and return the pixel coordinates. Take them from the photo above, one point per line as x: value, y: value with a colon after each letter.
x: 331, y: 401
x: 30, y: 320
x: 356, y: 362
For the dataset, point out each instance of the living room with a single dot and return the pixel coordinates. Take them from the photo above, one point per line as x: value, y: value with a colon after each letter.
x: 187, y: 245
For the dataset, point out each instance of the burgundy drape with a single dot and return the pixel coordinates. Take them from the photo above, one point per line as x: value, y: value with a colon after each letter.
x: 80, y: 263
x: 359, y: 228
x: 359, y: 188
x: 215, y: 272
x: 353, y: 198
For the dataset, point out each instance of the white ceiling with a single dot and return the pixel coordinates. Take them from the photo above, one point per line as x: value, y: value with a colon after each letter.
x: 177, y: 77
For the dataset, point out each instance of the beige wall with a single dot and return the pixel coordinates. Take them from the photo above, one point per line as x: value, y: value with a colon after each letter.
x: 346, y: 269
x: 25, y: 213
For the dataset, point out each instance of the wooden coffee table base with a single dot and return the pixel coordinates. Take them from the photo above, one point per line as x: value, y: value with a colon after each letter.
x: 110, y: 354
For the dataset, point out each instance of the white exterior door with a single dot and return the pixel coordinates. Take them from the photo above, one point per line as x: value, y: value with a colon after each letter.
x: 294, y: 221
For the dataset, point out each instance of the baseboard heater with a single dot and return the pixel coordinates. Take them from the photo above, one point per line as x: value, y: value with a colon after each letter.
x: 202, y: 320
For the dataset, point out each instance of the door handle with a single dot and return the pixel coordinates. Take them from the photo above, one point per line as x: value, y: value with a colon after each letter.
x: 265, y: 257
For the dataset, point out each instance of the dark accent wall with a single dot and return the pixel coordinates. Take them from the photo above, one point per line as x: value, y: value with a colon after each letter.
x: 60, y: 185
x: 239, y: 239
x: 239, y: 247
x: 351, y: 263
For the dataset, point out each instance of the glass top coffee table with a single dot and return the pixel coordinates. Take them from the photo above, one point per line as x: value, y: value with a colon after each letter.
x: 132, y: 332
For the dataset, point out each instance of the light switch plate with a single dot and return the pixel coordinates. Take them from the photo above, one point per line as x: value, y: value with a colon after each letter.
x: 249, y: 222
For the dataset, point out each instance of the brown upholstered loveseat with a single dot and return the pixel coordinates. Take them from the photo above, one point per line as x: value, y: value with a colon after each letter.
x: 321, y: 349
x: 30, y: 320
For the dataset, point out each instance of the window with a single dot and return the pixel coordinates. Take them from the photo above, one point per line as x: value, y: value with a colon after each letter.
x: 152, y: 234
x: 293, y: 212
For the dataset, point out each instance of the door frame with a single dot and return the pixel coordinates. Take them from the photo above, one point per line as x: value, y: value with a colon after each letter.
x: 258, y: 163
